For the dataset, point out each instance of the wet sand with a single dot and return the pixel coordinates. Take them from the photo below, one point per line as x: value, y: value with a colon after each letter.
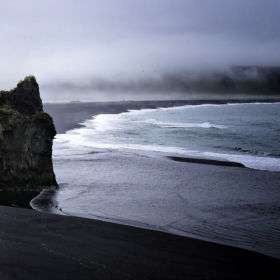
x: 38, y: 245
x: 207, y: 161
x: 17, y: 198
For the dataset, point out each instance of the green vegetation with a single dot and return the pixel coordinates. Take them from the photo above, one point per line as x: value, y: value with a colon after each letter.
x: 26, y: 135
x: 42, y: 117
x: 9, y: 118
x: 30, y: 78
x: 6, y: 109
x: 6, y: 97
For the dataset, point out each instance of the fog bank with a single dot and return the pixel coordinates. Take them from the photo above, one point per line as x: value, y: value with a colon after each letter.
x: 230, y: 83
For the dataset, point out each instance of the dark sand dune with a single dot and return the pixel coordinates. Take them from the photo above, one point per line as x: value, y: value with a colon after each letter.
x: 36, y: 245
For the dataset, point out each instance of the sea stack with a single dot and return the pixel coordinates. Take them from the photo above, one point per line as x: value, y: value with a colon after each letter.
x: 26, y: 135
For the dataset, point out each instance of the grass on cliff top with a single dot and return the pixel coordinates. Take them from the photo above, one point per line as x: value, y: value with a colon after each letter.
x: 29, y: 79
x: 7, y: 97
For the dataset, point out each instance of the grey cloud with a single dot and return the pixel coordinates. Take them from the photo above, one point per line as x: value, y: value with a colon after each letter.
x: 62, y: 41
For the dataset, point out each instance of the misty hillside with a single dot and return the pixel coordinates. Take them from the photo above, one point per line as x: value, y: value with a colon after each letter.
x: 239, y: 79
x: 235, y: 80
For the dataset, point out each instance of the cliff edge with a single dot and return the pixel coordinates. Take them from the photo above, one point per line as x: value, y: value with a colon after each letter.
x: 26, y: 135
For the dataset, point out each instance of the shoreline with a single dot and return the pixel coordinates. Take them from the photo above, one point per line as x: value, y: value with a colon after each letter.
x: 67, y: 117
x: 206, y: 161
x: 20, y: 199
x: 64, y: 246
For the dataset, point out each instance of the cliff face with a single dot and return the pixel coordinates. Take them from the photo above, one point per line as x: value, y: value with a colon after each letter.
x: 26, y: 135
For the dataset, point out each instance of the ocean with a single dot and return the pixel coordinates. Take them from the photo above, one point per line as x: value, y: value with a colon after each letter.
x: 117, y: 168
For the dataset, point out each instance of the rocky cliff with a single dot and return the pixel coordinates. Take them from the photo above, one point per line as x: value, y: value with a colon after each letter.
x: 26, y: 135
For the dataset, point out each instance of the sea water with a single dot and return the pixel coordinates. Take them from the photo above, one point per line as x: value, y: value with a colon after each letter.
x: 116, y: 168
x: 246, y: 133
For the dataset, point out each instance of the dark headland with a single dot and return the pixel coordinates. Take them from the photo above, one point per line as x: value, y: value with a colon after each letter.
x: 37, y: 245
x: 26, y: 134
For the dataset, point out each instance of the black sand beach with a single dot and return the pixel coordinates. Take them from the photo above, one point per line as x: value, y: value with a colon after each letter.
x: 37, y: 245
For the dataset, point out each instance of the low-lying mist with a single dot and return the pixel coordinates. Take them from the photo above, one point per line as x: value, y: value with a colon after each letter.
x: 233, y: 82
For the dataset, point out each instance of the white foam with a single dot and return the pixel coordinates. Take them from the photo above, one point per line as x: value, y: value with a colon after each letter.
x: 87, y: 138
x: 183, y: 107
x: 183, y: 125
x: 104, y: 122
x: 78, y: 142
x: 260, y: 163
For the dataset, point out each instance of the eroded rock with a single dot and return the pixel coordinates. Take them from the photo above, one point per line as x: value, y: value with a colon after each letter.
x: 26, y: 135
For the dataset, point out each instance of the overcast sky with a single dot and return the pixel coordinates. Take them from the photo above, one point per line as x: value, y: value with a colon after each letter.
x: 70, y: 41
